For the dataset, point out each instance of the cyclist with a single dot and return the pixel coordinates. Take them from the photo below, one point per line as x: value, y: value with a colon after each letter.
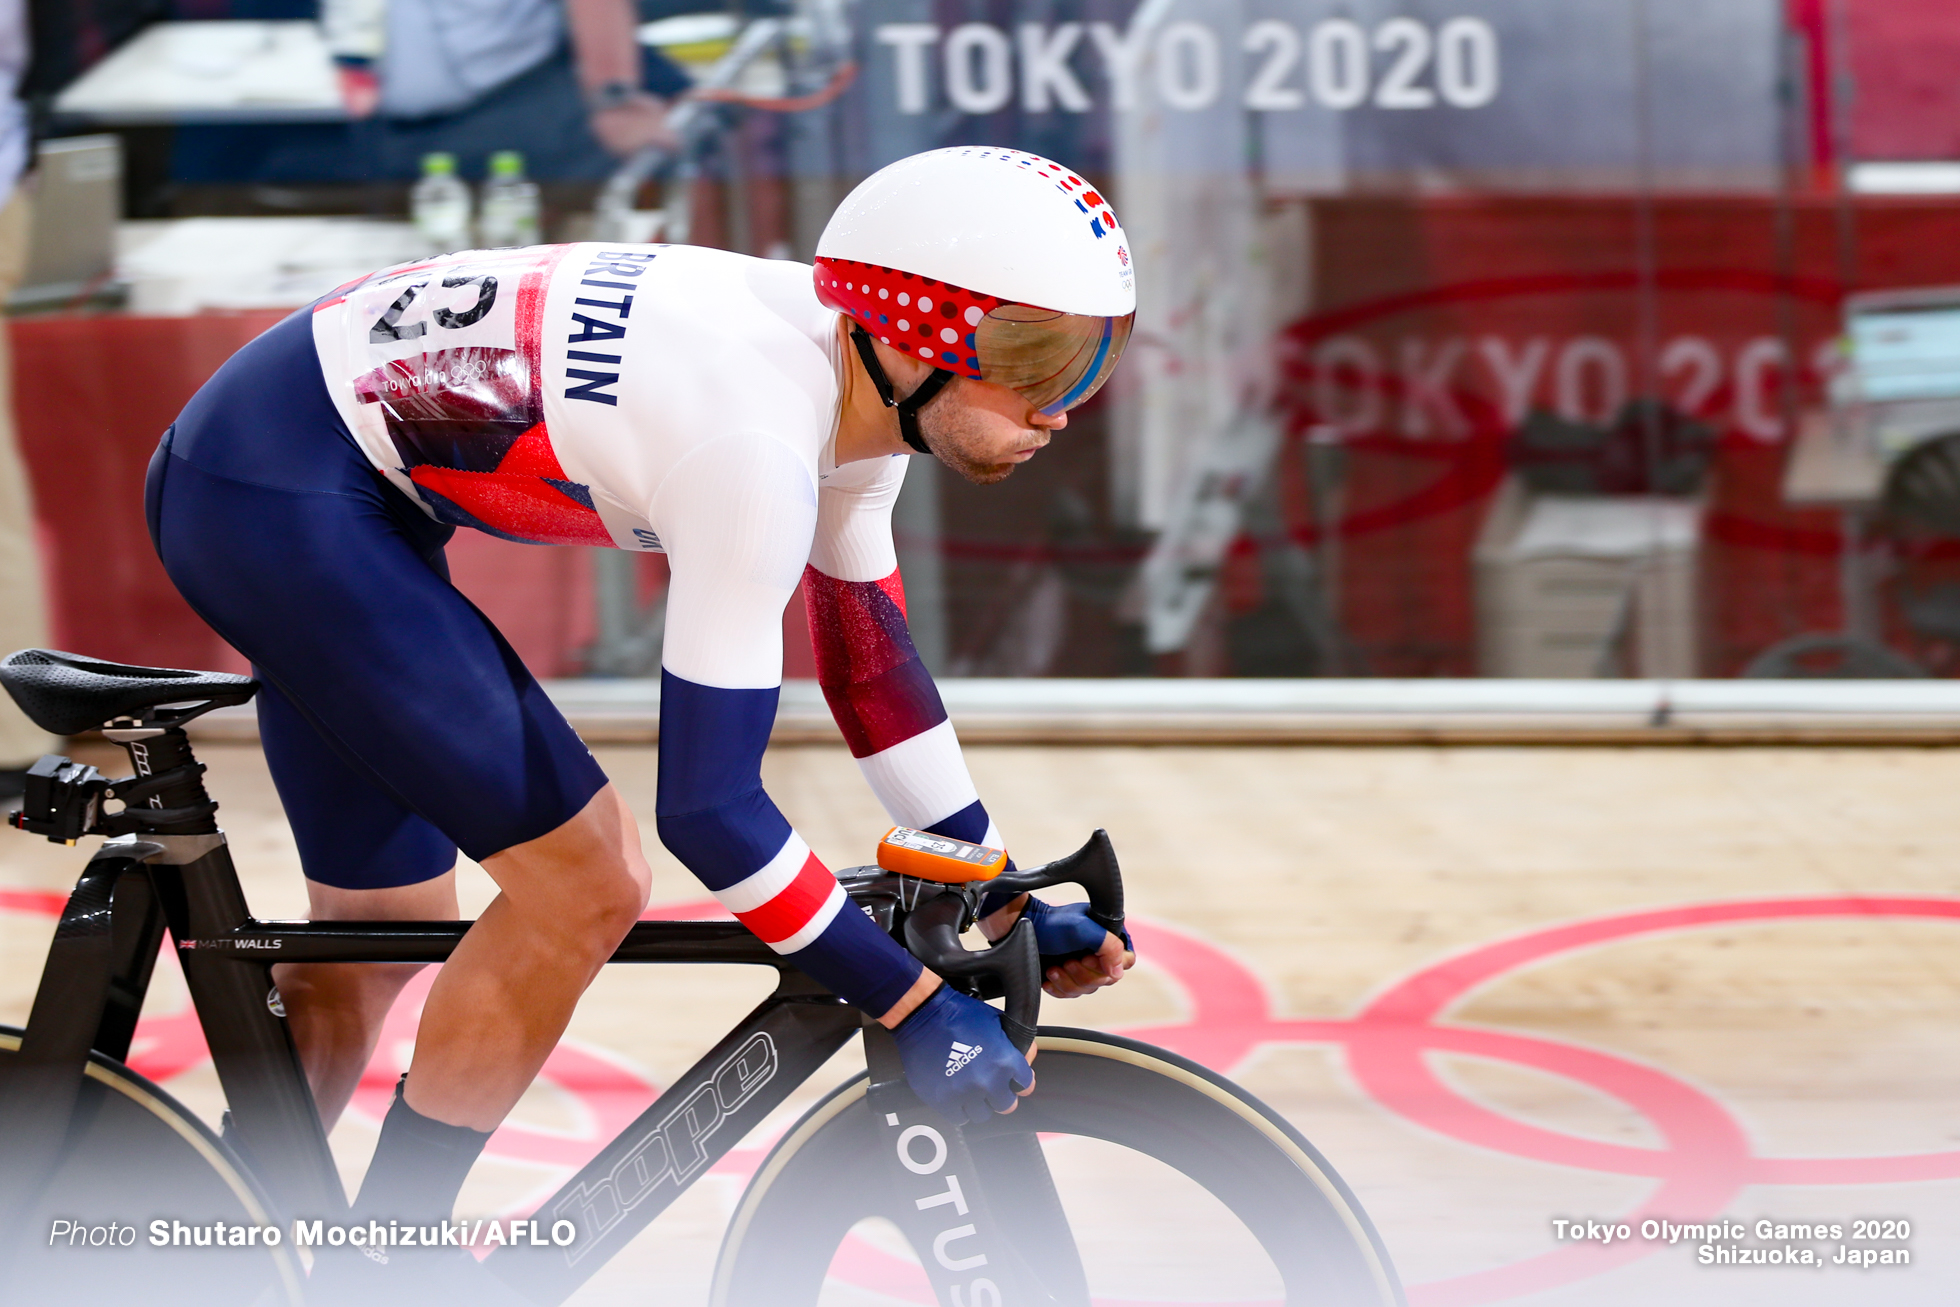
x: 749, y: 418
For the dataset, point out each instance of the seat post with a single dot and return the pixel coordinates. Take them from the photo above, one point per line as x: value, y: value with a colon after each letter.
x: 160, y: 751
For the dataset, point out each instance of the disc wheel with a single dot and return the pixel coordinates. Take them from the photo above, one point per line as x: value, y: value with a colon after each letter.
x: 1269, y: 1191
x: 135, y: 1156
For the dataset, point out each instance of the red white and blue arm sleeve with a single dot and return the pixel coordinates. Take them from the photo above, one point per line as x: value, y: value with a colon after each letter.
x: 736, y: 517
x: 879, y: 691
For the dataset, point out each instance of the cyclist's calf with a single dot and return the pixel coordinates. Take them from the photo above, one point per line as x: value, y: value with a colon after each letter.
x: 336, y: 1009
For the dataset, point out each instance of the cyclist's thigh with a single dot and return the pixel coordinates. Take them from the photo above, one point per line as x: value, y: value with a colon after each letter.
x: 389, y: 663
x: 285, y: 540
x: 353, y: 831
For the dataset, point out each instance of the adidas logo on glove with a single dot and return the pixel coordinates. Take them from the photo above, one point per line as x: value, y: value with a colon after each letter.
x: 958, y: 1059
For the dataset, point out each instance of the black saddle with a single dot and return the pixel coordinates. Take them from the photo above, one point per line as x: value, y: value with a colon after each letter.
x: 66, y: 694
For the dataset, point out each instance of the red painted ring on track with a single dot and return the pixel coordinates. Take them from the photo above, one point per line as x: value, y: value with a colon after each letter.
x: 1707, y: 1161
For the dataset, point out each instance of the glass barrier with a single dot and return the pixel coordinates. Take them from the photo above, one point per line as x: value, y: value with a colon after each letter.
x: 1525, y: 338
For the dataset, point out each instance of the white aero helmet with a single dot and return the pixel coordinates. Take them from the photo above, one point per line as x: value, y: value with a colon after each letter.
x: 987, y: 263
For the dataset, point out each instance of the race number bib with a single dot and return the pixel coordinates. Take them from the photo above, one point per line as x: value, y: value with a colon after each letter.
x: 442, y: 363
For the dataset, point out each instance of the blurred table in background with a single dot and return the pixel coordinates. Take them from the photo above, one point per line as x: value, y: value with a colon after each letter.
x: 185, y: 265
x: 210, y: 72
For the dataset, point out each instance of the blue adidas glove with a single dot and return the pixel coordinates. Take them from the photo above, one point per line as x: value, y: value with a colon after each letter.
x: 1066, y: 931
x: 957, y: 1057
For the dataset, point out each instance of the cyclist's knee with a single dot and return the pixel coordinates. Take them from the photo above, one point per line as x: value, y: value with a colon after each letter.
x: 636, y: 862
x: 615, y: 904
x: 590, y: 904
x: 584, y: 883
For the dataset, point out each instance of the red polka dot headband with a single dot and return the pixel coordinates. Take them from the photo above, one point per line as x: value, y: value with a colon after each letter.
x: 932, y: 320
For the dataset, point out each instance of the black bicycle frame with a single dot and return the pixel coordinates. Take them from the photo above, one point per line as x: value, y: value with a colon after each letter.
x: 106, y: 944
x: 138, y: 886
x: 134, y: 889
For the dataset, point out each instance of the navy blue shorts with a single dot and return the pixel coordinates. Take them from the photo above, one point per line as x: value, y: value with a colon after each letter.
x: 398, y: 723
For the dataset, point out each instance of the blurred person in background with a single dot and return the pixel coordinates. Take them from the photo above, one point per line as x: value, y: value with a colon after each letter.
x: 563, y: 81
x: 23, y: 607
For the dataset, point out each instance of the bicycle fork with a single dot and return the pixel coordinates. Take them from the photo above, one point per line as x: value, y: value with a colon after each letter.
x: 978, y: 1206
x: 977, y: 1202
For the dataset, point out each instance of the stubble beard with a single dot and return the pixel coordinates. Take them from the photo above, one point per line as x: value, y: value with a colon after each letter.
x: 953, y: 437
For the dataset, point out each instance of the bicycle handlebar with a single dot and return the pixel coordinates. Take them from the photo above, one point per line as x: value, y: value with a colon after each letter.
x: 932, y: 933
x: 1093, y: 867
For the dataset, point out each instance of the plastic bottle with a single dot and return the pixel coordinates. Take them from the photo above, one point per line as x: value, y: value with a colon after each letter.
x: 440, y: 205
x: 510, y: 203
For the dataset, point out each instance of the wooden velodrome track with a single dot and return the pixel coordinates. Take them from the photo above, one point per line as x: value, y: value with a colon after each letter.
x: 1498, y: 986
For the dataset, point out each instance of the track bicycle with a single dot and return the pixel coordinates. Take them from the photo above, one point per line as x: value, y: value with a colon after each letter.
x: 89, y: 1141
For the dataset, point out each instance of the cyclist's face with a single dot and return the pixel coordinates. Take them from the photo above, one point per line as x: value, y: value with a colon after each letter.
x: 984, y: 431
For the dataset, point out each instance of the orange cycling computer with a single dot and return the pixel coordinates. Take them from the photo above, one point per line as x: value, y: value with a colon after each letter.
x: 938, y: 857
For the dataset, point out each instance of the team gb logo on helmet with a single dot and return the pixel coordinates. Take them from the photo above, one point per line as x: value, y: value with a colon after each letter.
x: 1101, y: 220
